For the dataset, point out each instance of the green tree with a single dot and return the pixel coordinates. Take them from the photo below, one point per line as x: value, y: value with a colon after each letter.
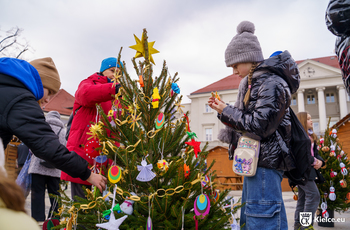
x: 134, y: 123
x: 331, y: 151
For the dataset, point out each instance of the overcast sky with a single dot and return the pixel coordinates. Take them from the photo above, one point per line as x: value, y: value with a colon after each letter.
x: 191, y: 35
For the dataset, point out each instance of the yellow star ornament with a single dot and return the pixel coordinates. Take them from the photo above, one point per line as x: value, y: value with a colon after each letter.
x: 140, y: 51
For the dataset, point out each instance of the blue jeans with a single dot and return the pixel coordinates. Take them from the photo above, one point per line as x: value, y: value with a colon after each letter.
x: 264, y: 208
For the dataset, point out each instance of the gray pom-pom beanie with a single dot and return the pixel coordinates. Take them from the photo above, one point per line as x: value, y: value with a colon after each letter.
x: 244, y: 47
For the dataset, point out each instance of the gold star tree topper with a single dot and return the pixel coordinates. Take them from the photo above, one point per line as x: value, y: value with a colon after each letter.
x: 140, y: 50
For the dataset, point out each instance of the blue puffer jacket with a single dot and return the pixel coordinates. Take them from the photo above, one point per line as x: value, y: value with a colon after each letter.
x: 267, y: 116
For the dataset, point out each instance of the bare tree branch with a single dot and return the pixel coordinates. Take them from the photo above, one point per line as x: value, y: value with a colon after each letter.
x: 12, y: 45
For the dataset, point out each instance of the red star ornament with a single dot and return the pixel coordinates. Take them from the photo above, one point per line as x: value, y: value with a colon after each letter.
x: 195, y: 145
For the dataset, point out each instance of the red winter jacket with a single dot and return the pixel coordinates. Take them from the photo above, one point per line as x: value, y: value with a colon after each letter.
x: 91, y: 91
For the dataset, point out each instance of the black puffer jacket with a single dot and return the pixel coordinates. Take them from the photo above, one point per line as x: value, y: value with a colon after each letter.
x: 267, y: 116
x: 21, y: 115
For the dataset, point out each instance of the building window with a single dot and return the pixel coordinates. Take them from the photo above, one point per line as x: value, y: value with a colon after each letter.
x: 329, y: 97
x: 208, y: 134
x: 311, y: 99
x: 294, y: 101
x: 208, y: 109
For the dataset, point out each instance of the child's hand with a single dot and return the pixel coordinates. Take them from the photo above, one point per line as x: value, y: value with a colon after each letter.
x: 216, y: 104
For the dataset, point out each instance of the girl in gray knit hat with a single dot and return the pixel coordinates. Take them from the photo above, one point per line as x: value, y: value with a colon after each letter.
x: 262, y: 113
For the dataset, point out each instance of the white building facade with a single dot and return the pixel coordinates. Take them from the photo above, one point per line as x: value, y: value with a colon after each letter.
x: 321, y: 93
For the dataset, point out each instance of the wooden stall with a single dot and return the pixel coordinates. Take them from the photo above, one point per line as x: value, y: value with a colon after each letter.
x: 226, y: 178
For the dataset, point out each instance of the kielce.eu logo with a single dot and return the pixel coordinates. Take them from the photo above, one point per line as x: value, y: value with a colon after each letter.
x: 305, y: 218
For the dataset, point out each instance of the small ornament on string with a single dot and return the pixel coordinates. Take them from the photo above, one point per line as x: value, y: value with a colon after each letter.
x: 162, y: 164
x: 186, y: 167
x: 149, y: 225
x: 324, y: 209
x: 127, y: 205
x: 332, y: 195
x: 333, y: 173
x: 146, y: 173
x: 174, y: 89
x: 91, y: 149
x: 325, y: 148
x: 321, y: 140
x: 183, y: 218
x: 205, y: 181
x: 159, y: 122
x: 234, y: 225
x: 344, y: 171
x: 155, y: 98
x: 333, y: 133
x: 343, y: 183
x: 201, y: 206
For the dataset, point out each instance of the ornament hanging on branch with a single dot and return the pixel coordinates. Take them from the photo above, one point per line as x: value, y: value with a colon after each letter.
x: 344, y: 171
x: 160, y: 121
x: 324, y: 209
x: 127, y: 205
x: 333, y: 173
x: 91, y: 149
x: 146, y: 173
x: 332, y: 195
x: 343, y: 183
x: 155, y: 98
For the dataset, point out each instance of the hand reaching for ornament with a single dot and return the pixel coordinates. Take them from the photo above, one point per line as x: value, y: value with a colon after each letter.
x: 318, y: 164
x: 98, y: 180
x: 216, y: 104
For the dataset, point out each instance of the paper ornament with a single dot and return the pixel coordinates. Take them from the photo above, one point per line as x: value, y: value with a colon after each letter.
x: 342, y: 153
x: 140, y: 50
x: 195, y: 145
x: 332, y: 195
x: 324, y: 209
x: 344, y: 171
x: 149, y: 225
x: 325, y: 148
x: 112, y: 224
x: 332, y: 153
x: 155, y: 98
x: 332, y: 147
x: 215, y: 196
x: 91, y: 149
x: 321, y: 140
x: 141, y: 81
x: 205, y: 181
x: 343, y: 183
x: 202, y: 205
x: 186, y: 170
x: 114, y: 174
x: 160, y: 121
x: 175, y: 88
x: 127, y: 205
x: 163, y: 165
x: 146, y: 173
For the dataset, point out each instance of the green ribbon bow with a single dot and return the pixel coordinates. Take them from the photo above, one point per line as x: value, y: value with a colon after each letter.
x: 191, y: 135
x: 108, y: 212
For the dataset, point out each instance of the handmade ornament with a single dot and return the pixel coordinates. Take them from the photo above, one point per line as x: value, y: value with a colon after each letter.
x: 114, y: 174
x: 343, y: 183
x: 344, y: 171
x: 101, y: 159
x: 325, y: 195
x: 325, y: 148
x: 141, y: 81
x: 112, y: 224
x: 205, y: 181
x: 333, y: 174
x: 175, y: 88
x: 332, y: 147
x: 149, y: 225
x: 215, y: 196
x: 50, y: 223
x: 321, y: 140
x: 332, y: 153
x: 146, y: 173
x: 140, y: 50
x: 126, y: 206
x: 163, y: 165
x: 295, y: 197
x: 191, y: 135
x: 91, y: 149
x: 342, y: 153
x: 155, y: 98
x: 339, y: 157
x: 216, y: 95
x: 202, y: 205
x: 195, y: 145
x: 160, y: 121
x: 324, y: 209
x: 186, y: 170
x: 134, y: 118
x: 334, y: 133
x: 332, y: 195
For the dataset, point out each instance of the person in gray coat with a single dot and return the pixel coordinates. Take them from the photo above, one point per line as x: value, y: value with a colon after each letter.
x: 45, y: 175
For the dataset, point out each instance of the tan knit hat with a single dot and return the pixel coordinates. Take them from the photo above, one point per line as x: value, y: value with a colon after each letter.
x: 48, y: 73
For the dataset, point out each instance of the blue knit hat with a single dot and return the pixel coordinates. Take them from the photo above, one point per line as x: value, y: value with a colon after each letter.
x: 109, y: 63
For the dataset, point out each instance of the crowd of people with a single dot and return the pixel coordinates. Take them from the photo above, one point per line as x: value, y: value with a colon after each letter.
x: 261, y: 112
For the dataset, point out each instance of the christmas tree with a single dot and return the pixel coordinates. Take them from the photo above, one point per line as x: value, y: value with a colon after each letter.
x: 334, y: 192
x: 159, y: 178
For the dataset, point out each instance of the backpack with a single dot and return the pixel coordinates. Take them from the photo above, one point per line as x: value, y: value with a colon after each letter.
x: 70, y: 121
x: 300, y: 147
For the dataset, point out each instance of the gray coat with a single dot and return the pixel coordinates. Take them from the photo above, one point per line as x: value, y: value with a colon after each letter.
x: 53, y: 118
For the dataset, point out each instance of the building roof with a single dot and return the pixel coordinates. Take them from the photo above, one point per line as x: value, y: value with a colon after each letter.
x: 227, y: 83
x: 232, y: 81
x: 341, y: 122
x: 61, y: 102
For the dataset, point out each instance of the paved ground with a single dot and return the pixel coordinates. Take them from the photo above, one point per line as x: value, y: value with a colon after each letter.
x: 289, y: 203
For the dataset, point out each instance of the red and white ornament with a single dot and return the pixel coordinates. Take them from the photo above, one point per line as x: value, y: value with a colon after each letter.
x: 334, y: 133
x: 321, y: 140
x: 333, y: 174
x: 332, y: 195
x: 91, y: 149
x: 344, y: 171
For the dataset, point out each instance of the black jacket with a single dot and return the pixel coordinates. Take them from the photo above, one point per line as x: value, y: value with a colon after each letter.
x: 267, y: 116
x: 21, y: 115
x: 313, y: 173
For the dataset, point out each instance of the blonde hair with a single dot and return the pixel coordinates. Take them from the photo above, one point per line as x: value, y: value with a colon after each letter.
x: 11, y: 194
x: 250, y: 75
